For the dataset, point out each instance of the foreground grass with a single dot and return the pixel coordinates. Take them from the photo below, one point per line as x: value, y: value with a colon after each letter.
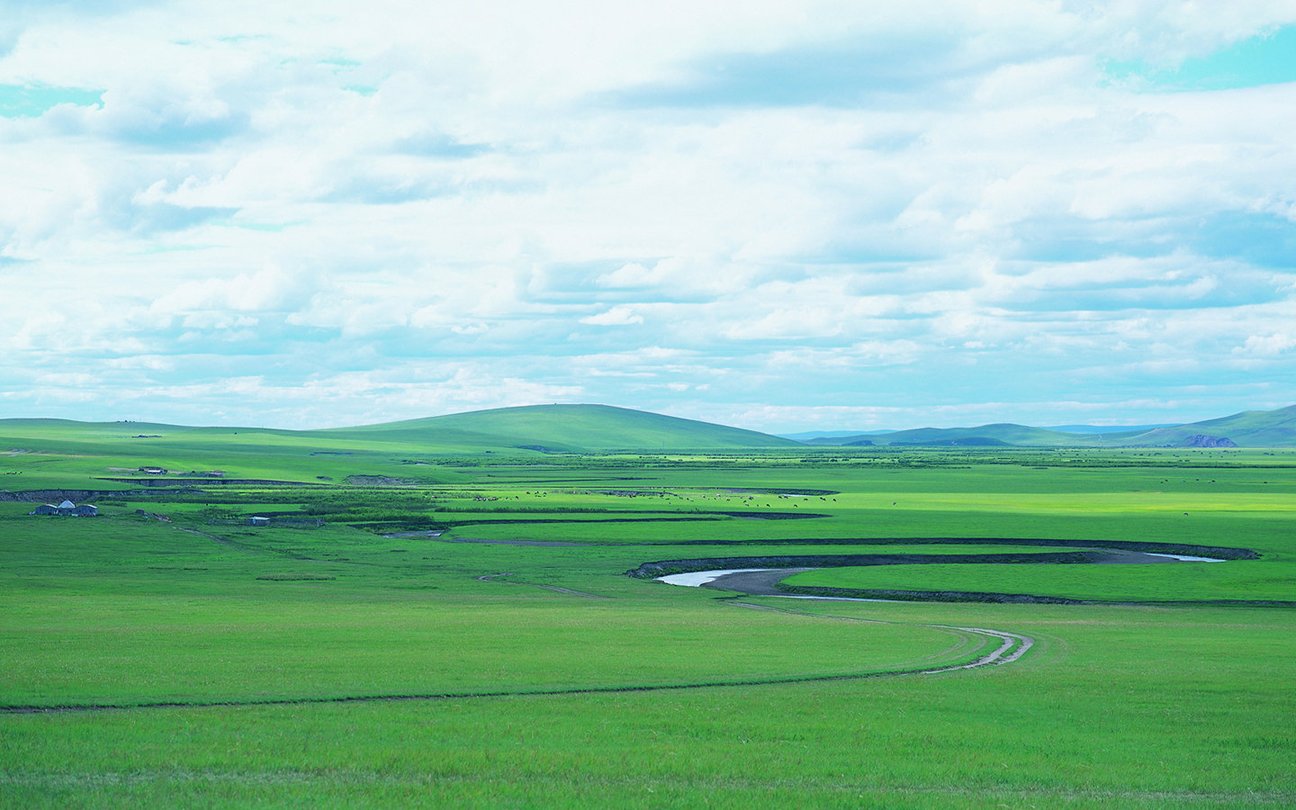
x: 1184, y: 737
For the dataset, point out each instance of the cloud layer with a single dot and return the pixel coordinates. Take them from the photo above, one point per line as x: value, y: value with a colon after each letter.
x: 780, y: 215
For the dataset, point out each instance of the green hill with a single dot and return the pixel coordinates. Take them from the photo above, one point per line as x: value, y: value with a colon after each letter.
x: 1247, y: 429
x: 567, y: 428
x: 45, y: 453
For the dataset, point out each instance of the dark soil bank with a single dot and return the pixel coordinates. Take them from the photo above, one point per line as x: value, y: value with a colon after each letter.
x: 1147, y: 547
x: 980, y: 596
x: 652, y: 570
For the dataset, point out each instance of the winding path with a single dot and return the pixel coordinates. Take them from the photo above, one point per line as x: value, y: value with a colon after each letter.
x: 764, y: 582
x: 1012, y: 646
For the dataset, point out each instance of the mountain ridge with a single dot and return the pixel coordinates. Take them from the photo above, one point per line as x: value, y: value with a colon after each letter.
x: 592, y: 427
x: 1274, y: 428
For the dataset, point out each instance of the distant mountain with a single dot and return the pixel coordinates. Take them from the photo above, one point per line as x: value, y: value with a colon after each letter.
x: 576, y: 428
x: 813, y: 436
x: 996, y: 435
x: 1000, y: 435
x: 1250, y: 429
x: 568, y: 428
x: 1108, y: 428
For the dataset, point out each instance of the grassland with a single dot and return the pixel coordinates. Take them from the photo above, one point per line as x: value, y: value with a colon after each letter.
x: 509, y: 660
x: 1166, y: 583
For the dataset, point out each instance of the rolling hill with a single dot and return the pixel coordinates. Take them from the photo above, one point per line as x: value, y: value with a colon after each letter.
x: 1275, y: 428
x: 115, y: 455
x: 1247, y: 429
x: 534, y: 428
x: 269, y: 453
x: 568, y: 428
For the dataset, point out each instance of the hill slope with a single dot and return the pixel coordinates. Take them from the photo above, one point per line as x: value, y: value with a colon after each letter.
x: 1002, y: 434
x: 569, y: 427
x: 997, y: 435
x: 1275, y: 428
x: 1247, y: 429
x: 46, y: 453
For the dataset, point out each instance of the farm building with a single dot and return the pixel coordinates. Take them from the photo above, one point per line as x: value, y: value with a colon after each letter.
x: 258, y: 520
x: 67, y: 509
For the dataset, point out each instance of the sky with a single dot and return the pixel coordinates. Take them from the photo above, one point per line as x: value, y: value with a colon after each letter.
x: 805, y: 215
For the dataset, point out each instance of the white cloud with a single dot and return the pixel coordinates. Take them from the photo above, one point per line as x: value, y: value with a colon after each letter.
x: 477, y: 184
x: 269, y: 288
x: 616, y: 316
x: 1268, y: 345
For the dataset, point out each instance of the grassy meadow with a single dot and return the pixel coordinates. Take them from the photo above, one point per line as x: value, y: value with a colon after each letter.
x: 428, y: 623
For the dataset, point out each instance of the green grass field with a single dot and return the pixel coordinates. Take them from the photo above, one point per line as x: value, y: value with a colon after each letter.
x: 1185, y: 582
x: 510, y: 660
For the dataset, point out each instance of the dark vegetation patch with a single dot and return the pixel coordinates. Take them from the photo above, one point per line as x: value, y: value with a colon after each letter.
x: 661, y: 568
x: 778, y: 491
x: 772, y: 515
x: 652, y: 570
x: 426, y: 524
x: 1145, y: 546
x: 296, y: 577
x: 55, y: 495
x: 379, y: 481
x: 515, y: 542
x: 77, y: 495
x: 1006, y: 598
x: 574, y: 480
x: 187, y: 482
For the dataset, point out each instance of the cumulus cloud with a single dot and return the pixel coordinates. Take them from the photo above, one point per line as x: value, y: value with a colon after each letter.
x: 826, y: 205
x: 1268, y: 345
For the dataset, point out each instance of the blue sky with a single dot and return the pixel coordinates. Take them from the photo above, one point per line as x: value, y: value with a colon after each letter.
x: 780, y: 215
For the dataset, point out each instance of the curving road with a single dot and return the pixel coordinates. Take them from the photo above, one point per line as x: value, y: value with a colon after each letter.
x: 764, y: 582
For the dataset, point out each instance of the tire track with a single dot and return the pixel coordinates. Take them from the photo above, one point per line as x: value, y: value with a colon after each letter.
x: 502, y: 577
x: 1012, y: 646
